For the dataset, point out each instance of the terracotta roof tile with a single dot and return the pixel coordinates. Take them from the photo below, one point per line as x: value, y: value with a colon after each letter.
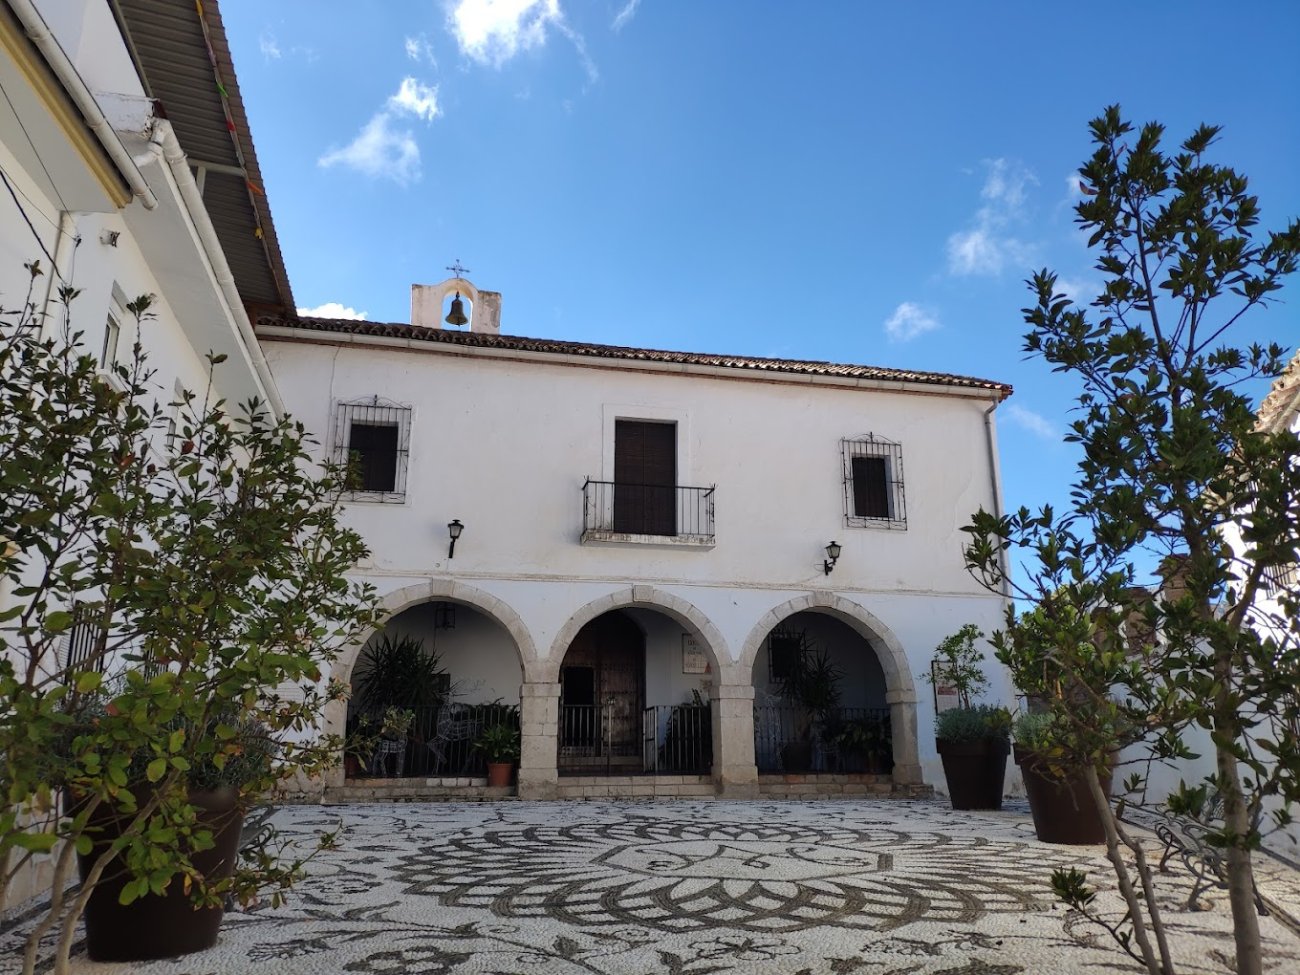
x: 520, y: 343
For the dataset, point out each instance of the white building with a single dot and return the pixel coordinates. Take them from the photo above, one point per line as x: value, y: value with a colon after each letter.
x: 644, y: 546
x: 123, y: 177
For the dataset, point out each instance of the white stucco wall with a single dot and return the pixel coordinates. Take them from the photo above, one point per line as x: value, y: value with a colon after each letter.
x: 504, y: 447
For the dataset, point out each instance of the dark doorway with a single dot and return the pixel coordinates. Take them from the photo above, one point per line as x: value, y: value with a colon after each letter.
x: 602, y: 696
x: 645, y: 477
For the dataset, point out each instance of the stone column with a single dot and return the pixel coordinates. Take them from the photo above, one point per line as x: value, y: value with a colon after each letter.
x: 902, y: 724
x: 733, y: 741
x: 539, y: 725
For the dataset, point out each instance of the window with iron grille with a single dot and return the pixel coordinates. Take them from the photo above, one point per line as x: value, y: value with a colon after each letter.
x: 873, y: 483
x: 82, y: 649
x: 372, y: 438
x: 1279, y: 579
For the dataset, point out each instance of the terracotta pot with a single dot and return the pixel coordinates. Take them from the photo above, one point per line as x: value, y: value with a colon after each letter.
x: 975, y: 771
x: 1063, y: 809
x: 160, y: 925
x: 499, y: 774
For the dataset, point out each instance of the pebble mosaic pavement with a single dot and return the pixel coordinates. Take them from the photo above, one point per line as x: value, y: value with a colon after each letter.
x: 695, y: 888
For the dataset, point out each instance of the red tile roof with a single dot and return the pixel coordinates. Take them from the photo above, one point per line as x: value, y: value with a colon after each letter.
x: 397, y: 330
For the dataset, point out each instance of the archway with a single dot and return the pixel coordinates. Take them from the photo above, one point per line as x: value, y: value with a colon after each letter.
x: 872, y: 723
x: 635, y: 671
x: 486, y: 652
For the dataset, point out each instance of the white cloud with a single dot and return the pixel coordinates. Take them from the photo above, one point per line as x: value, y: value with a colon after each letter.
x: 626, y: 14
x: 416, y: 99
x: 383, y: 148
x: 270, y: 49
x: 332, y: 309
x: 494, y: 31
x: 418, y: 48
x: 908, y: 321
x: 379, y: 150
x: 989, y: 246
x: 1080, y: 290
x: 1035, y: 423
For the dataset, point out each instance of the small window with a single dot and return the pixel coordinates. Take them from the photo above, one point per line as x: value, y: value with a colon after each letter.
x: 873, y: 483
x: 784, y: 654
x: 372, y: 440
x: 108, y: 352
x: 84, y: 644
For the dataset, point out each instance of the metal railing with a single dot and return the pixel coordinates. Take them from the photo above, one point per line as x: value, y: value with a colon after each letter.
x: 674, y: 738
x: 845, y: 740
x: 440, y: 742
x: 678, y: 738
x: 610, y: 508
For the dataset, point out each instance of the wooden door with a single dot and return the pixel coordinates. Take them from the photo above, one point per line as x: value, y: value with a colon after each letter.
x: 645, y: 477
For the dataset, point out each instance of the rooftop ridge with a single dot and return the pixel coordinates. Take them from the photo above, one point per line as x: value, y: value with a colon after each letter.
x: 632, y: 353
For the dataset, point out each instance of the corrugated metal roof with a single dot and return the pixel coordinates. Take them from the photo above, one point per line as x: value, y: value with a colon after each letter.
x: 167, y: 41
x: 520, y: 343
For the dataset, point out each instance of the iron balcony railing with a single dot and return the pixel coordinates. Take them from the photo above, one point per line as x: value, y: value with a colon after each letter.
x: 440, y: 742
x: 598, y: 739
x: 843, y: 740
x: 613, y: 508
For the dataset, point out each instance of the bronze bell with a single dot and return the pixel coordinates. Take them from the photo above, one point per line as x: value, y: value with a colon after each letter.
x: 457, y: 314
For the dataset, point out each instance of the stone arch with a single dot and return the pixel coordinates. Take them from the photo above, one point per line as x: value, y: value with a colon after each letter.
x: 336, y: 713
x: 646, y: 597
x: 899, y: 685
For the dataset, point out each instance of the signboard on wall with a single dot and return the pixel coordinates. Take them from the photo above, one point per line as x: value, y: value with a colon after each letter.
x: 694, y: 659
x: 945, y: 693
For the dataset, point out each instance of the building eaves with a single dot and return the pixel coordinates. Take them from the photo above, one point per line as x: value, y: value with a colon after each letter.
x: 324, y: 327
x: 1281, y: 406
x: 167, y: 40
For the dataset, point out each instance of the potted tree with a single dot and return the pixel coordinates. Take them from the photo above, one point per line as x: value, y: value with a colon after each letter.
x: 812, y: 685
x: 1059, y: 797
x: 164, y: 923
x: 972, y: 740
x: 196, y: 563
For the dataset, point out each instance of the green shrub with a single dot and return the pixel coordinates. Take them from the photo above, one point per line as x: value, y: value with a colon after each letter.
x: 973, y: 724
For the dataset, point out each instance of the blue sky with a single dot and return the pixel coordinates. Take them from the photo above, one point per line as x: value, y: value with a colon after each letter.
x: 861, y: 182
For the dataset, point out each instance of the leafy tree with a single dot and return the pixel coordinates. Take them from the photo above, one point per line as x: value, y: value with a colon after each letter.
x: 160, y: 573
x: 1145, y: 593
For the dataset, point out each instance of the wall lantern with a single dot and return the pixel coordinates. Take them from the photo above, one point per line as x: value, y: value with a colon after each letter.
x: 454, y: 528
x: 832, y: 556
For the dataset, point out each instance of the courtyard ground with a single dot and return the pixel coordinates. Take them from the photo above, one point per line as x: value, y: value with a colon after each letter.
x: 696, y: 888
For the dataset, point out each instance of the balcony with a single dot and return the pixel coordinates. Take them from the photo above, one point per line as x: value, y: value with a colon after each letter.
x: 648, y: 514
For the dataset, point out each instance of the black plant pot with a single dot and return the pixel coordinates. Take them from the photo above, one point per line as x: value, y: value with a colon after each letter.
x: 975, y: 771
x: 161, y: 925
x: 1063, y: 808
x: 797, y: 756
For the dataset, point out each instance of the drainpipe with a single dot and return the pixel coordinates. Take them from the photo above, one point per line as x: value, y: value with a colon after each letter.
x: 34, y: 24
x: 995, y: 481
x: 164, y: 143
x: 64, y: 237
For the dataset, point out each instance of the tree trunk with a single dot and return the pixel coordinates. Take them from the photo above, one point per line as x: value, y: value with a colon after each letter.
x: 1121, y: 872
x: 1241, y: 875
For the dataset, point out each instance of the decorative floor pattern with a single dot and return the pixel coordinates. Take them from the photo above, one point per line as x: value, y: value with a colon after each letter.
x: 692, y: 888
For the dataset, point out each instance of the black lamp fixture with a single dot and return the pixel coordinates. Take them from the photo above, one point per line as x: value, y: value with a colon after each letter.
x: 454, y: 528
x: 832, y: 556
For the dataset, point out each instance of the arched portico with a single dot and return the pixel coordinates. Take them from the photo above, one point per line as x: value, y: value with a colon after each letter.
x: 900, y: 693
x: 393, y: 605
x: 660, y: 613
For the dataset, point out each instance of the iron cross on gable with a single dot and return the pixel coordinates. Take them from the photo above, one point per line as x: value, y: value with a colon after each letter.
x: 457, y: 270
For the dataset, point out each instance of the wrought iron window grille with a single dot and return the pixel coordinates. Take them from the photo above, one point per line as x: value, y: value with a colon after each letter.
x: 873, y: 483
x: 372, y: 441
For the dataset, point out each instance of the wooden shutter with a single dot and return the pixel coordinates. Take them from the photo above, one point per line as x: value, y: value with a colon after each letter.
x: 645, y: 477
x: 870, y: 487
